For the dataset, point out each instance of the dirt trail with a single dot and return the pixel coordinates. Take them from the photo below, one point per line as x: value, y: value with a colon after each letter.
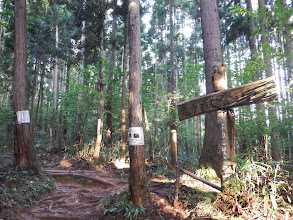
x: 75, y: 196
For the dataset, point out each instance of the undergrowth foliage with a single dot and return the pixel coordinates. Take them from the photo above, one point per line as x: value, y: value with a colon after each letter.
x: 19, y: 188
x: 259, y: 186
x: 122, y: 209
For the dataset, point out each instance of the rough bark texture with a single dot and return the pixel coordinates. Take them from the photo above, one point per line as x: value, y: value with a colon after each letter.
x: 23, y: 148
x: 213, y: 57
x: 137, y: 179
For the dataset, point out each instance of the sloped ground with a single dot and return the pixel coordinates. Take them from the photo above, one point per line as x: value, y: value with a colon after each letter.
x: 90, y: 192
x: 85, y: 192
x: 74, y: 198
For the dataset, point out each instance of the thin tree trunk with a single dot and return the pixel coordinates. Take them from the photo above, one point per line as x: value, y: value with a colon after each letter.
x: 260, y: 112
x: 65, y: 130
x: 149, y: 137
x: 289, y: 70
x: 111, y: 74
x: 100, y: 87
x: 33, y: 99
x: 60, y: 132
x: 275, y: 136
x: 123, y: 95
x: 55, y: 82
x: 40, y: 101
x: 79, y: 135
x: 156, y: 111
x: 198, y: 133
x: 24, y: 156
x: 172, y: 124
x: 137, y: 180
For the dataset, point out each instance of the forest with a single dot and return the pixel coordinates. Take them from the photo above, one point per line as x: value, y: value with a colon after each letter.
x: 150, y: 109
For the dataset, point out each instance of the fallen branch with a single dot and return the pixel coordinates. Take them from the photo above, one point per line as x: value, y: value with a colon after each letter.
x: 201, y: 179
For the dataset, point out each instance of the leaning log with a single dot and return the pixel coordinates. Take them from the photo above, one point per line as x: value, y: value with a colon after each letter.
x: 252, y: 93
x: 201, y: 179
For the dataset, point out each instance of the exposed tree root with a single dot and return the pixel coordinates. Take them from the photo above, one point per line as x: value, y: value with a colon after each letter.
x: 74, y: 174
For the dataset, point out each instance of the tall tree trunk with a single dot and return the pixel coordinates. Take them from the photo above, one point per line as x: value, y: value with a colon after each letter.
x: 111, y: 74
x: 65, y: 130
x: 156, y: 111
x: 275, y: 136
x: 40, y: 95
x: 218, y: 141
x: 33, y: 98
x: 100, y: 87
x: 289, y: 71
x: 55, y: 78
x: 137, y: 179
x: 24, y: 156
x: 79, y: 136
x: 123, y: 95
x: 198, y: 132
x: 172, y: 123
x: 257, y: 76
x: 149, y: 136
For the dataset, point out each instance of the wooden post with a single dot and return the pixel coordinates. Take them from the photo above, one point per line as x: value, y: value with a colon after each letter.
x: 173, y: 140
x: 226, y: 122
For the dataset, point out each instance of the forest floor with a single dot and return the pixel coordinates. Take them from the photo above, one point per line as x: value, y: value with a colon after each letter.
x: 86, y: 191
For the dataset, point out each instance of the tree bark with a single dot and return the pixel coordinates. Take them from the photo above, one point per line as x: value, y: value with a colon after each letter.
x: 123, y: 95
x: 79, y: 135
x: 24, y: 156
x: 100, y: 87
x: 149, y: 136
x: 55, y: 82
x: 289, y: 72
x: 216, y: 124
x: 156, y: 111
x: 111, y: 74
x: 275, y: 136
x: 257, y: 75
x: 172, y: 124
x: 137, y: 179
x: 33, y: 98
x: 40, y: 96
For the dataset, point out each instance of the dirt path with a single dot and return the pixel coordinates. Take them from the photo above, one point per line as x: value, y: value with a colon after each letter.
x: 75, y: 196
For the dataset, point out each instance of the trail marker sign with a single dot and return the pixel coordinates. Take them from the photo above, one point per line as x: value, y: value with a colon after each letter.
x: 252, y: 93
